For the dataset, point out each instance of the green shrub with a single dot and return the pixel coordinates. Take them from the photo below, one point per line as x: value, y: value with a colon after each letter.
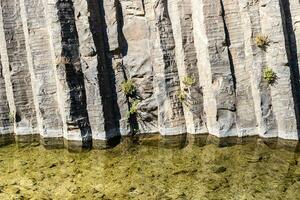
x: 128, y: 87
x: 270, y: 76
x: 189, y: 81
x: 262, y: 41
x: 181, y: 95
x: 133, y: 108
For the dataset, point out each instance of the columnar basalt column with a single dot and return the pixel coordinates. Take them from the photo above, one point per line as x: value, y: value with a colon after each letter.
x: 245, y: 115
x: 290, y: 10
x: 6, y: 118
x: 71, y: 77
x: 186, y: 58
x: 7, y: 102
x: 256, y: 62
x: 87, y: 20
x: 114, y: 51
x: 23, y: 110
x: 276, y: 59
x: 41, y: 69
x: 290, y: 13
x: 214, y: 68
x: 137, y: 60
x: 170, y: 112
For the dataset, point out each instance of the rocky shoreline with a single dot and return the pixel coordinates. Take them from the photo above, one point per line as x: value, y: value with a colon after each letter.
x: 178, y: 141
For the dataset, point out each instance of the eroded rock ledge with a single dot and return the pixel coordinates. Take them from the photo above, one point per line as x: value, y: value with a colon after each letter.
x: 194, y: 66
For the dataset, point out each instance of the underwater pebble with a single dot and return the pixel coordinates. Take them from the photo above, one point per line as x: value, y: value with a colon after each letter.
x: 220, y: 169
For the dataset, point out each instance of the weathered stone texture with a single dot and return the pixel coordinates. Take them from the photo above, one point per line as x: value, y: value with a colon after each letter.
x: 218, y: 82
x: 23, y: 113
x: 171, y: 118
x: 41, y: 68
x: 186, y: 59
x: 245, y: 115
x: 6, y: 122
x: 256, y: 61
x: 63, y: 64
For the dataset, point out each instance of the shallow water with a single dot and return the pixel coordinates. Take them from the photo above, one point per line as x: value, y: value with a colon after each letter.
x: 129, y: 171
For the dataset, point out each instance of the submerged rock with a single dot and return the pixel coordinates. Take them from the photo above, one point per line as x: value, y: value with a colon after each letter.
x: 220, y: 169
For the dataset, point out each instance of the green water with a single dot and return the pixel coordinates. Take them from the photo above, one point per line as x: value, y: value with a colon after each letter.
x: 250, y: 171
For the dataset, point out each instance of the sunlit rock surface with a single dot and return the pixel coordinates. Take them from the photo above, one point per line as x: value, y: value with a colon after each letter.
x: 194, y: 63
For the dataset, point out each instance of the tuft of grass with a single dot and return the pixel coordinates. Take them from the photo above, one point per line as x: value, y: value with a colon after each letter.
x: 262, y: 41
x: 270, y: 76
x: 133, y: 108
x: 181, y: 95
x: 189, y: 81
x: 128, y: 87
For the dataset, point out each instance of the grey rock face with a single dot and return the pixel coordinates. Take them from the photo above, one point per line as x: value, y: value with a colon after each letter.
x: 194, y: 65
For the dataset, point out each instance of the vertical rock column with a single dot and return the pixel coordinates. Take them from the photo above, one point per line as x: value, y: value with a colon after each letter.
x: 291, y: 14
x: 87, y: 21
x: 70, y: 79
x: 54, y: 33
x: 115, y: 53
x: 214, y: 67
x: 186, y: 58
x: 22, y: 109
x: 245, y: 113
x: 137, y: 60
x: 255, y: 62
x: 7, y: 102
x: 276, y: 58
x: 70, y: 66
x: 6, y: 121
x: 171, y: 119
x: 41, y: 68
x: 112, y: 17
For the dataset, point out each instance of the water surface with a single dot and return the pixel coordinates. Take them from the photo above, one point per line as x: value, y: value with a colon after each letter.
x: 254, y: 170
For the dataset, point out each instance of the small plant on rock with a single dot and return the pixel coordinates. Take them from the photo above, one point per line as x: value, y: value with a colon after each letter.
x: 128, y: 87
x: 262, y: 41
x: 270, y: 76
x: 181, y: 95
x: 133, y: 108
x: 189, y: 81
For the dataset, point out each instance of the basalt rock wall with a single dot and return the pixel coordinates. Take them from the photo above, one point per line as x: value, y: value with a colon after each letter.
x: 194, y: 66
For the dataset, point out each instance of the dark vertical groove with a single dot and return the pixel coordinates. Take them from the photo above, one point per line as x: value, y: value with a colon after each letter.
x: 291, y: 49
x: 228, y: 43
x: 123, y: 46
x: 106, y: 75
x: 143, y: 4
x: 74, y: 75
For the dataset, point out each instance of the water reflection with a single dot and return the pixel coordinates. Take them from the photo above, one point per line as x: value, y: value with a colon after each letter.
x: 194, y: 168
